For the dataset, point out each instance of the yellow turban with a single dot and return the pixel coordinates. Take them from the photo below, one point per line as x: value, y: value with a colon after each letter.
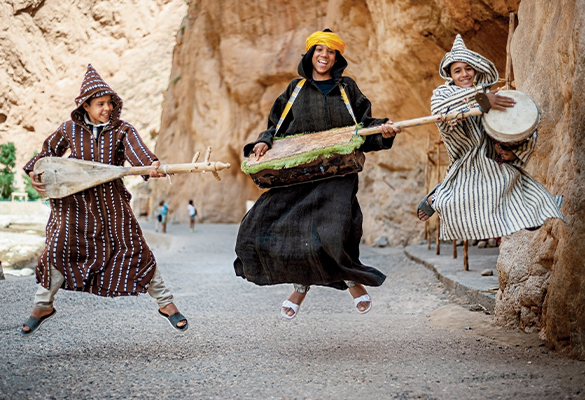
x: 329, y: 39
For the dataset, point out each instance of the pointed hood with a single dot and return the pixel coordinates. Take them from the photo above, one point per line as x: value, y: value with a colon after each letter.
x: 94, y: 85
x: 486, y: 72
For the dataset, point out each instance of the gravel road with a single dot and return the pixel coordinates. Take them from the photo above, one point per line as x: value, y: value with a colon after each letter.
x: 412, y: 345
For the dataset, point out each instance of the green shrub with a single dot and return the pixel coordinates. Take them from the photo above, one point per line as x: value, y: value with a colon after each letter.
x: 7, y: 159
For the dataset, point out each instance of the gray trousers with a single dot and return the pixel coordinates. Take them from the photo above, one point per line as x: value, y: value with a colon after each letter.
x: 44, y: 297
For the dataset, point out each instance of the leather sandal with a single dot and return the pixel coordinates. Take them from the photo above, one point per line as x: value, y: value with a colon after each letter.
x: 35, y: 323
x: 175, y: 319
x: 425, y: 206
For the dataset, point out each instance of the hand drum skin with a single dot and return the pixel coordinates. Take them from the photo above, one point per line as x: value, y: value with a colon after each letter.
x: 516, y: 124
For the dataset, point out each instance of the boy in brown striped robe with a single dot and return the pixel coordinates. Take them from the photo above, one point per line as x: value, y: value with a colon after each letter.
x: 94, y: 243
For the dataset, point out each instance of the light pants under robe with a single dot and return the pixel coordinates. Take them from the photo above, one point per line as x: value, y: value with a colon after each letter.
x: 44, y: 297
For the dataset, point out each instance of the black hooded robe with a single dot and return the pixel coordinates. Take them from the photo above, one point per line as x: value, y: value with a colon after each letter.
x: 310, y: 233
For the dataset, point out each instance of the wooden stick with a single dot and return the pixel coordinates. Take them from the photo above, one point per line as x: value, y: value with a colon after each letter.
x: 454, y: 249
x: 465, y: 255
x: 438, y: 233
x: 509, y: 52
x: 409, y: 123
x: 180, y: 168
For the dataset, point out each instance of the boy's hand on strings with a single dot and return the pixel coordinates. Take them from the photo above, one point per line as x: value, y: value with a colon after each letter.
x: 154, y: 173
x: 259, y: 150
x: 388, y: 131
x: 37, y: 184
x: 500, y: 102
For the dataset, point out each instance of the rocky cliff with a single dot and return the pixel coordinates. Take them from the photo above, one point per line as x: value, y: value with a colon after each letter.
x: 45, y: 46
x: 542, y: 273
x: 233, y: 58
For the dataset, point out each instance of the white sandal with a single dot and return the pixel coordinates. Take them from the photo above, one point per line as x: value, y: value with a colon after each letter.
x: 292, y: 306
x: 363, y: 299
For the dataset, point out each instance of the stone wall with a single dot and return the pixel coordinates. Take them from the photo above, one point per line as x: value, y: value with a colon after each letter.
x: 542, y: 273
x: 233, y: 58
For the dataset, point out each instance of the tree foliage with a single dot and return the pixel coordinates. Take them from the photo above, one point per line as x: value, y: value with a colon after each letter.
x: 7, y: 160
x: 32, y: 193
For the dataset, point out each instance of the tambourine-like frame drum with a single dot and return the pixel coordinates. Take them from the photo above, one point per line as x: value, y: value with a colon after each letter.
x: 516, y: 124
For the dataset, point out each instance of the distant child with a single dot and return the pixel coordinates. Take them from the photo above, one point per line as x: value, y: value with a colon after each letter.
x: 94, y: 243
x: 192, y: 213
x: 159, y: 210
x: 486, y: 192
x: 164, y: 212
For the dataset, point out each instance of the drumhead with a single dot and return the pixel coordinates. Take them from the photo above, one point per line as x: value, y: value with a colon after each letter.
x: 516, y: 124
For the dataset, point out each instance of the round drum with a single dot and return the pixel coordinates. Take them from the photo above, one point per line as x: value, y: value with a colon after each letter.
x: 516, y: 124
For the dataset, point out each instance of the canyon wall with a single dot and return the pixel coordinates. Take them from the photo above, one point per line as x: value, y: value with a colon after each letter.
x: 233, y: 58
x: 45, y: 46
x: 542, y: 273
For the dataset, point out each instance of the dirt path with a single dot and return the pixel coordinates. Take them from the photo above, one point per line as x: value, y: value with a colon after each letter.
x: 412, y: 345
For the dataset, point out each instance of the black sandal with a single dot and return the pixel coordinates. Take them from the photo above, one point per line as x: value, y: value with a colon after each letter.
x: 175, y: 319
x: 35, y: 323
x: 424, y: 205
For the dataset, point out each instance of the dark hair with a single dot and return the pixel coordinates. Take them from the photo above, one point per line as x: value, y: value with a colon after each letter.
x: 190, y: 201
x: 162, y: 202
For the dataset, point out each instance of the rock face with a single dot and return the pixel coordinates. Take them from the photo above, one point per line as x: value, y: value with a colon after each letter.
x: 45, y: 46
x: 542, y: 273
x: 233, y: 59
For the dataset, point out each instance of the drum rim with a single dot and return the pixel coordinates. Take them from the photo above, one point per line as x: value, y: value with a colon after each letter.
x: 517, y: 138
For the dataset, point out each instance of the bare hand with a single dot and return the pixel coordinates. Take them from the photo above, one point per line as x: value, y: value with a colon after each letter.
x: 37, y: 184
x: 259, y: 150
x: 506, y: 155
x: 500, y: 102
x: 153, y: 172
x: 388, y: 131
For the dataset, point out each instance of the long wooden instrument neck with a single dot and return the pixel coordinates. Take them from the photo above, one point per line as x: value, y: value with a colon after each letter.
x: 180, y: 168
x: 424, y: 121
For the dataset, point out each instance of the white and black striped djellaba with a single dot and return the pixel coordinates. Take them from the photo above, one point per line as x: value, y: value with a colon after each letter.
x: 479, y: 198
x: 93, y: 238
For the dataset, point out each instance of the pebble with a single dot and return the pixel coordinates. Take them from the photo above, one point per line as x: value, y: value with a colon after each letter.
x: 381, y: 241
x: 487, y: 272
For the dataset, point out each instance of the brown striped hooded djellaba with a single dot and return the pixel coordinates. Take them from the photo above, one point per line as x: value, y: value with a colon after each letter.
x: 93, y: 238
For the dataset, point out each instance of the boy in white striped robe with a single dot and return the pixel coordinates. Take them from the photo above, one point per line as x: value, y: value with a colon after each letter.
x: 486, y: 192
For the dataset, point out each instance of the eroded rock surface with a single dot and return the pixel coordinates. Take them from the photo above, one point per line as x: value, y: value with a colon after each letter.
x: 542, y: 274
x: 45, y: 46
x: 233, y: 59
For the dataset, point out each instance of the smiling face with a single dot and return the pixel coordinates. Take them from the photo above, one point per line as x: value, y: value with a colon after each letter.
x: 462, y: 74
x: 323, y: 60
x: 99, y: 109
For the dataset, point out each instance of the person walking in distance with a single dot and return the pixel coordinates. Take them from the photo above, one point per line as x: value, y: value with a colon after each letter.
x: 192, y: 214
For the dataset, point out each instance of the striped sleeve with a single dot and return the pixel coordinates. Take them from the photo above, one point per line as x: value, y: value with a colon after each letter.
x: 452, y: 98
x: 54, y: 146
x: 135, y: 151
x: 447, y: 99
